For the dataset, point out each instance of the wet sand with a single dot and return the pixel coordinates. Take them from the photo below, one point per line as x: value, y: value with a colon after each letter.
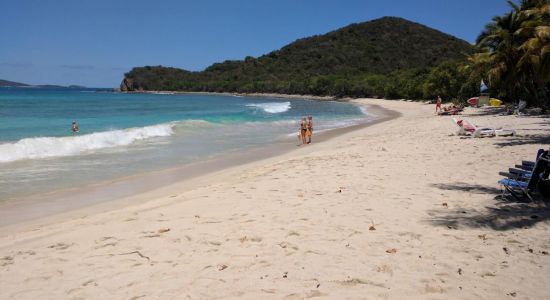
x: 40, y: 208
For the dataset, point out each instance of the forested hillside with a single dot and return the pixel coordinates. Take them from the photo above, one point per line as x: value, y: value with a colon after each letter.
x: 388, y: 57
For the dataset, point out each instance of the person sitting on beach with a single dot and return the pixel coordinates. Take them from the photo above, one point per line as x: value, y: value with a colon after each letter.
x: 303, y: 130
x: 74, y: 127
x: 450, y: 110
x: 309, y: 132
x: 438, y: 104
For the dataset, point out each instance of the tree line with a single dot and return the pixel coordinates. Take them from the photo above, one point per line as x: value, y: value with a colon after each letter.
x: 388, y: 58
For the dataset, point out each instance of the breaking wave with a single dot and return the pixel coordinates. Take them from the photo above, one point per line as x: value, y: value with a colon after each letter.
x: 44, y: 147
x: 272, y: 107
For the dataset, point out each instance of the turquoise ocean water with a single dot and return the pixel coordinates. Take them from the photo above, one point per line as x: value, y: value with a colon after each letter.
x: 123, y: 134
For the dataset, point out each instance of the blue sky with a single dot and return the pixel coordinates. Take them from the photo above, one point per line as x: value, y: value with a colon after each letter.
x: 94, y: 42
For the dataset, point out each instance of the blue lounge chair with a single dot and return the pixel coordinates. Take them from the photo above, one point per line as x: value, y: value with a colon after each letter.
x: 529, y: 165
x: 524, y: 171
x: 517, y: 174
x: 521, y: 189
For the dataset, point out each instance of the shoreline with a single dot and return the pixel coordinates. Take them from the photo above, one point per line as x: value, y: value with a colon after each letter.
x: 260, y: 95
x: 393, y: 210
x: 33, y: 209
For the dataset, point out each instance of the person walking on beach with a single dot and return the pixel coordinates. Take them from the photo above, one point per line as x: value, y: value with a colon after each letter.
x: 309, y: 132
x: 74, y: 127
x: 438, y: 104
x: 303, y: 130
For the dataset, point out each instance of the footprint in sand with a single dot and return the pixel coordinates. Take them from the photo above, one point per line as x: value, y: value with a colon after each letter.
x: 212, y: 243
x: 355, y: 232
x: 6, y: 260
x: 60, y: 246
x: 111, y: 244
x: 310, y: 294
x: 29, y: 252
x: 287, y: 245
x: 293, y: 233
x: 106, y: 241
x: 89, y: 282
x: 384, y: 269
x: 38, y: 278
x: 358, y: 281
x: 431, y: 288
x: 255, y: 239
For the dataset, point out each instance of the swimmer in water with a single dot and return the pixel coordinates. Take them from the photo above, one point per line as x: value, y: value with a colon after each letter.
x: 74, y: 127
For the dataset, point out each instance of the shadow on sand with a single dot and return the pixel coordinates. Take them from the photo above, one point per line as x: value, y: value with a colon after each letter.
x: 538, y: 139
x: 506, y: 214
x: 470, y: 188
x: 486, y: 111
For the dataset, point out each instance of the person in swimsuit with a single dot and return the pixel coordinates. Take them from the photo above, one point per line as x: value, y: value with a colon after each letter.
x: 303, y: 130
x: 309, y: 129
x: 438, y: 104
x: 74, y: 127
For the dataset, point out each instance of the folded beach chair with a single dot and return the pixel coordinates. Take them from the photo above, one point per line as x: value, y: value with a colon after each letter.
x: 521, y: 106
x: 521, y: 189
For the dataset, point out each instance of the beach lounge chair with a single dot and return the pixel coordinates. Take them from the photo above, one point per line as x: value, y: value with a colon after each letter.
x: 467, y: 128
x: 448, y: 111
x: 527, y: 165
x: 517, y: 174
x: 521, y: 189
x: 524, y: 171
x: 496, y: 131
x: 462, y: 130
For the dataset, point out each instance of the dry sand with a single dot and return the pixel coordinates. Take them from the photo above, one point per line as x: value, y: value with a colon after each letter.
x: 399, y: 210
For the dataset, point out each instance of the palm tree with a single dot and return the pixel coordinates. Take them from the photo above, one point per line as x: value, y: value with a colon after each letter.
x: 516, y: 49
x: 535, y: 59
x: 536, y: 32
x: 502, y: 53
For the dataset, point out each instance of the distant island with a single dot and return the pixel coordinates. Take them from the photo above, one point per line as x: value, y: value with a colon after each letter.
x: 389, y: 57
x: 7, y: 83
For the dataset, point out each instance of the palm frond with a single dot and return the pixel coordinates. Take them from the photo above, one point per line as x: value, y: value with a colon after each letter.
x: 513, y: 5
x: 543, y: 32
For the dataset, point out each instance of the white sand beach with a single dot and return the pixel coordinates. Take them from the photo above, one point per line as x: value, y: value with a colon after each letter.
x: 402, y: 209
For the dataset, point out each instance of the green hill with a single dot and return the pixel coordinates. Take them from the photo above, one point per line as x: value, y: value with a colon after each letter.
x: 356, y: 60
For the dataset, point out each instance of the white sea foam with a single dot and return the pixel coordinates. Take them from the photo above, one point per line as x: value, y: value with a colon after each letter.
x: 363, y: 110
x: 327, y: 125
x: 272, y: 107
x: 43, y: 147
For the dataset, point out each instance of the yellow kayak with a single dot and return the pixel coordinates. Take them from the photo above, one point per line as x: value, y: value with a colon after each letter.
x: 495, y: 102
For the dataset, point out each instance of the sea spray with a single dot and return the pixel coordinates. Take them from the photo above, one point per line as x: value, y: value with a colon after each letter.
x: 272, y: 107
x: 44, y: 147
